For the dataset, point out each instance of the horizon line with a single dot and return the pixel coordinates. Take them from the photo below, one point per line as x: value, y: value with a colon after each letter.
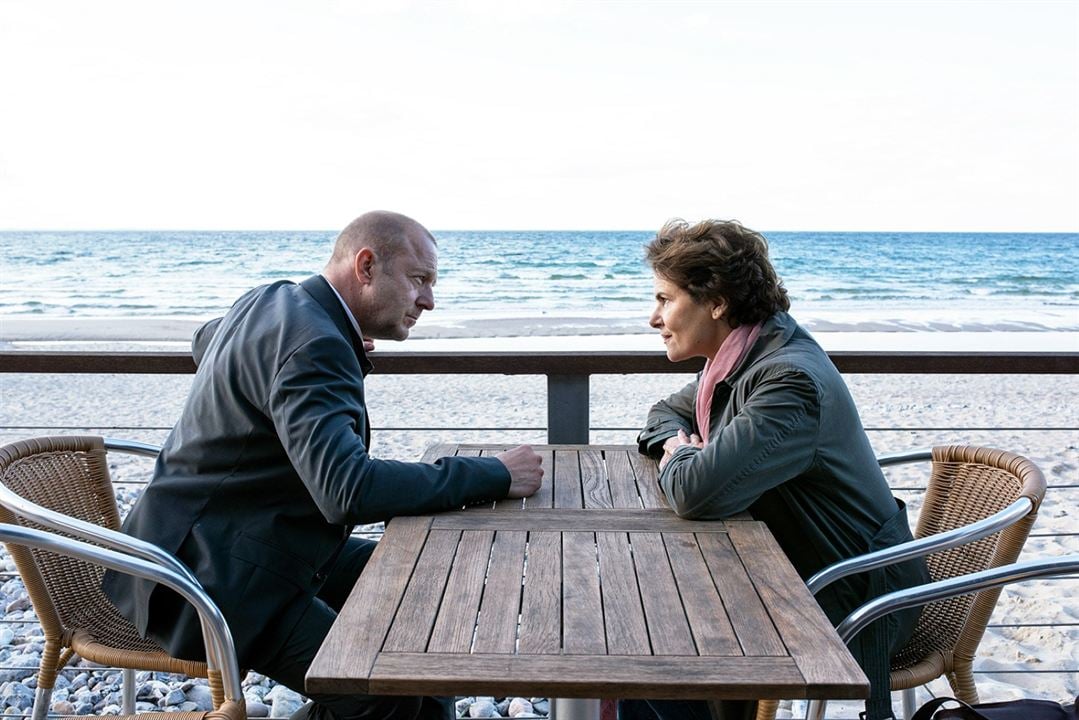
x: 528, y: 230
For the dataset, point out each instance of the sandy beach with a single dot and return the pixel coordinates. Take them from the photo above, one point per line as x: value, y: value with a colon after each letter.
x: 1033, y: 648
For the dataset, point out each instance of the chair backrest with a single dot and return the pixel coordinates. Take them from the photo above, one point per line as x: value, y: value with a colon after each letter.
x: 968, y: 484
x: 69, y: 475
x: 126, y: 557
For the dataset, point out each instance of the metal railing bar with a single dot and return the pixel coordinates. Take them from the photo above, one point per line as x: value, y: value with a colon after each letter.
x: 1032, y: 625
x: 922, y: 488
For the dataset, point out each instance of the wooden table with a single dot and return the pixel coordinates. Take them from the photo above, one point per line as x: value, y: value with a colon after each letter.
x: 586, y: 590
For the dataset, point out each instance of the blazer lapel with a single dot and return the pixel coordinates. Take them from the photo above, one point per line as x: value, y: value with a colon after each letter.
x: 319, y: 288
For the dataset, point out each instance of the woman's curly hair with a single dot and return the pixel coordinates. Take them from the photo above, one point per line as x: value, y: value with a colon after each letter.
x: 720, y: 260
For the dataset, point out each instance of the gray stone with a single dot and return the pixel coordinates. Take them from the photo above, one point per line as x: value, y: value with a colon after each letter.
x: 257, y: 710
x: 503, y: 706
x: 62, y: 682
x: 146, y: 707
x: 63, y: 707
x: 20, y: 603
x: 201, y: 696
x: 84, y: 708
x: 542, y: 706
x: 110, y: 710
x: 462, y: 705
x: 79, y: 681
x: 21, y: 660
x: 6, y: 636
x: 188, y: 707
x: 482, y: 708
x: 254, y: 678
x: 172, y: 697
x: 283, y: 701
x: 520, y: 706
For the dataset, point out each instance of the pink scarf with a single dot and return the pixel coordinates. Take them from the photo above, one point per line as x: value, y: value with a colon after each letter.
x: 716, y: 369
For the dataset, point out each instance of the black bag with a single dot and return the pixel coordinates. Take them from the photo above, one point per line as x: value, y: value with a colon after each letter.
x: 1010, y: 710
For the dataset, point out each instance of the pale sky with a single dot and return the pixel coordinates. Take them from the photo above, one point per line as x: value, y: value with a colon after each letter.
x: 807, y: 115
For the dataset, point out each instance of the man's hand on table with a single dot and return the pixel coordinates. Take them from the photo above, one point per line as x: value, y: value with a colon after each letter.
x: 526, y: 475
x: 676, y: 441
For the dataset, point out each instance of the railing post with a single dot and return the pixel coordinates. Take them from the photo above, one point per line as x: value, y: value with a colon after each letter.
x: 567, y: 409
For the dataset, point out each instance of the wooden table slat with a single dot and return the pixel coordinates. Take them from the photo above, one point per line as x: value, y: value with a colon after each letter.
x: 647, y: 477
x: 594, y: 485
x: 457, y: 616
x: 544, y: 497
x: 623, y: 494
x: 813, y: 645
x: 667, y: 624
x: 586, y: 676
x: 500, y: 609
x: 541, y: 602
x: 416, y: 617
x: 567, y: 480
x: 623, y: 614
x: 708, y: 619
x: 436, y: 451
x: 352, y: 649
x: 582, y: 625
x: 748, y: 616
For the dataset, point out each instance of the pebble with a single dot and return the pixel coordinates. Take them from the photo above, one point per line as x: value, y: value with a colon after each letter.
x: 519, y: 706
x: 483, y: 708
x: 63, y: 707
x: 201, y: 696
x: 283, y: 701
x: 257, y: 710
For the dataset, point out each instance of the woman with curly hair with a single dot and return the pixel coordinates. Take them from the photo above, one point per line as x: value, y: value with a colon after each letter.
x: 768, y: 427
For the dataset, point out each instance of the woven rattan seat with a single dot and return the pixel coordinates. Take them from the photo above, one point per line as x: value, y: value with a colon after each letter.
x: 966, y: 485
x: 70, y: 475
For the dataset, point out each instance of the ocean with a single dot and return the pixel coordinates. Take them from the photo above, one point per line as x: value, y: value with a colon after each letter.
x: 837, y: 280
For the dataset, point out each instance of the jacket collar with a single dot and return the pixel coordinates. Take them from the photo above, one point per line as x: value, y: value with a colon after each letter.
x: 318, y: 288
x: 776, y: 332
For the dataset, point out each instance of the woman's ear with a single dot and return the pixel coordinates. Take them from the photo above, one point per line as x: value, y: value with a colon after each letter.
x: 718, y: 310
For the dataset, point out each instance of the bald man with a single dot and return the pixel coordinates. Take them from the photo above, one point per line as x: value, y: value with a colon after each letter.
x: 259, y: 484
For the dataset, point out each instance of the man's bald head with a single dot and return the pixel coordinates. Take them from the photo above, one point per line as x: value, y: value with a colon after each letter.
x: 387, y: 233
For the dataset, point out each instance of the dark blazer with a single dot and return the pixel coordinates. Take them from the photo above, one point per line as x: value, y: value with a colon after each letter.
x: 260, y: 482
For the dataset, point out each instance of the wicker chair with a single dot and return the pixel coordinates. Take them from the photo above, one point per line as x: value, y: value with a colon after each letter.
x: 69, y: 476
x: 979, y: 507
x: 219, y: 647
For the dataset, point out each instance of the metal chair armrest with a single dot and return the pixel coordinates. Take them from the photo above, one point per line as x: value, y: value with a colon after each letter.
x: 905, y: 458
x: 952, y: 587
x: 213, y: 623
x: 132, y: 447
x: 923, y: 546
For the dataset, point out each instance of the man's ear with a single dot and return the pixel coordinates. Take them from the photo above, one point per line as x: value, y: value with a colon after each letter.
x: 719, y: 310
x: 363, y: 265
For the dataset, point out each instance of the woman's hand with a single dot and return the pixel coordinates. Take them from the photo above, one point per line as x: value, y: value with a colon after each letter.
x: 676, y: 441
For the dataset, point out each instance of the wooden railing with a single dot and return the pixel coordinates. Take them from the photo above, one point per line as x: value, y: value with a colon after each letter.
x: 567, y: 373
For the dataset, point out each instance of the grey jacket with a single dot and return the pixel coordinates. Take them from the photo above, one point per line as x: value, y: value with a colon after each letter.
x: 258, y: 485
x: 786, y: 444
